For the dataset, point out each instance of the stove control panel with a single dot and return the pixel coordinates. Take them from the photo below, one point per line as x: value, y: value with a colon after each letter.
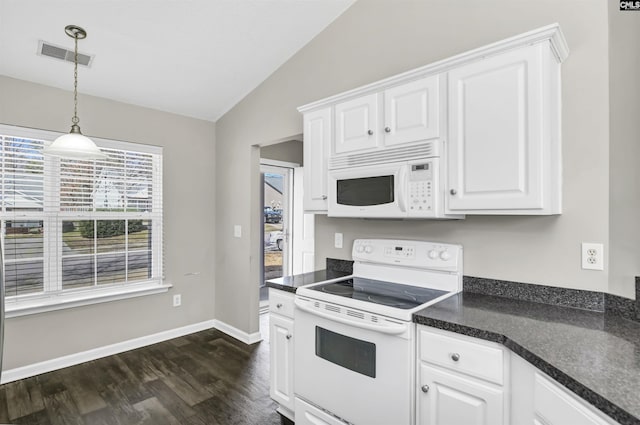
x: 418, y: 254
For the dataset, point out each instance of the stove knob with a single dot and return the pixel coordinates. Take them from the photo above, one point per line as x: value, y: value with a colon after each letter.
x: 433, y: 254
x: 368, y: 249
x: 444, y: 255
x: 359, y: 248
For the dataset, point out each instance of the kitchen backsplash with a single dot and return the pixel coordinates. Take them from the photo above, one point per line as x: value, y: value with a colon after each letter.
x: 574, y: 298
x: 338, y: 265
x: 566, y: 297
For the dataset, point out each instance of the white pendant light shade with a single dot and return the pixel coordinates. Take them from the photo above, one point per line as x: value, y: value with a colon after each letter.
x: 74, y: 145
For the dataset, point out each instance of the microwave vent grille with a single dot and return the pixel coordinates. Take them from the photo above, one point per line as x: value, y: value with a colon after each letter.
x: 405, y: 153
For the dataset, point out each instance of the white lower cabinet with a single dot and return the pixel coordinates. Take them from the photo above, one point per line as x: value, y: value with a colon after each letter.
x: 281, y: 350
x: 449, y: 398
x: 539, y: 400
x: 469, y: 381
x: 461, y: 380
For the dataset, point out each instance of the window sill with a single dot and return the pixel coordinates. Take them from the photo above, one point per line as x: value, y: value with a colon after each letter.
x: 78, y: 299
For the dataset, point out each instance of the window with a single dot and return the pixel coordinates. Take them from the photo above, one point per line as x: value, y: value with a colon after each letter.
x: 78, y: 226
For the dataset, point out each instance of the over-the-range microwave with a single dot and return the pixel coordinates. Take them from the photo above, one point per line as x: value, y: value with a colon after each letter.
x: 404, y: 182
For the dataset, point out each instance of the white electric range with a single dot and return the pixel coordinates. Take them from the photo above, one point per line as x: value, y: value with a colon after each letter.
x: 355, y: 339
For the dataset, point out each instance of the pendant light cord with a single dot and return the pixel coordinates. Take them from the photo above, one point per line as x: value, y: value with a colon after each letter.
x: 75, y: 118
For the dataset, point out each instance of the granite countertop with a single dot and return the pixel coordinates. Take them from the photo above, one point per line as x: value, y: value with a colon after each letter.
x: 596, y: 355
x: 291, y: 283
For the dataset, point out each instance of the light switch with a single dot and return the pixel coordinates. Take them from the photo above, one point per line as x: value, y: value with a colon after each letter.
x: 337, y: 240
x: 237, y: 231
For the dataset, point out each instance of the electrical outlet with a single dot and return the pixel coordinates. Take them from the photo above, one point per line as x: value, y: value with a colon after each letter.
x: 237, y: 231
x: 177, y: 300
x: 592, y: 256
x: 337, y: 240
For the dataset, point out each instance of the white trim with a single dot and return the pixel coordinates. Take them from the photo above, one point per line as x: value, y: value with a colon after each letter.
x: 275, y: 163
x: 76, y: 299
x: 551, y: 33
x: 96, y: 353
x: 236, y: 333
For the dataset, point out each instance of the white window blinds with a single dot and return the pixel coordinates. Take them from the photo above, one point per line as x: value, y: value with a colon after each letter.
x: 71, y: 225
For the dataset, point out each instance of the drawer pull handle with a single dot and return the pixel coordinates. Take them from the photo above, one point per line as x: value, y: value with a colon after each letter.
x: 279, y: 305
x: 425, y: 388
x: 289, y: 336
x: 455, y: 357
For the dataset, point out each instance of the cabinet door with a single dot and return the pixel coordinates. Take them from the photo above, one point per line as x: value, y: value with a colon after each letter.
x: 447, y: 398
x: 357, y: 124
x: 412, y: 112
x: 317, y: 136
x: 281, y: 355
x: 496, y: 132
x: 555, y: 406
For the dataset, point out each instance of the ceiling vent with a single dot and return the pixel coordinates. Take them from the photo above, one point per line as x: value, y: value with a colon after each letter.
x: 57, y: 52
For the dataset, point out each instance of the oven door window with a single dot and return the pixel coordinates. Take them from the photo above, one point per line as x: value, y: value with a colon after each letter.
x: 365, y: 191
x: 353, y: 354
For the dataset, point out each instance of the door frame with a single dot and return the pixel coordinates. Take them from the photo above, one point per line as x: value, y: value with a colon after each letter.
x: 287, y: 209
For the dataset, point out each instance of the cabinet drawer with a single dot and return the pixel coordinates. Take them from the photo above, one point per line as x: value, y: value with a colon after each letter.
x: 281, y: 302
x: 461, y: 354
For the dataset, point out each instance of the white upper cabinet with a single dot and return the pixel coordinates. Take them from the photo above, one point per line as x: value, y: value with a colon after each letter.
x: 316, y: 145
x: 496, y: 109
x: 412, y: 112
x: 356, y: 124
x: 504, y: 136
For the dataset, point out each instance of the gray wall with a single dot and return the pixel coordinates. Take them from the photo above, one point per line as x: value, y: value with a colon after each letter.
x: 376, y: 39
x: 624, y: 69
x: 189, y: 224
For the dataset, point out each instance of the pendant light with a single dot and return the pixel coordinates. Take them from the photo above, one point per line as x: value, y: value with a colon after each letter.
x: 74, y: 144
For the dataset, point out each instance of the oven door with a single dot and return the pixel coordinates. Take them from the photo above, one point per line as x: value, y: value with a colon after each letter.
x: 370, y: 191
x: 358, y: 366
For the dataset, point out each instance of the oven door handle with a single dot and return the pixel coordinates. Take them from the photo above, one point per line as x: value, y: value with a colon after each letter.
x: 386, y: 329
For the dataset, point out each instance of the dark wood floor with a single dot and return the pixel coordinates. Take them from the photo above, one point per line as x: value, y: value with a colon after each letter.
x: 206, y: 378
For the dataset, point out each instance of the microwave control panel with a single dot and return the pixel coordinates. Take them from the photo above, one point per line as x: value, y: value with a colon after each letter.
x: 421, y: 188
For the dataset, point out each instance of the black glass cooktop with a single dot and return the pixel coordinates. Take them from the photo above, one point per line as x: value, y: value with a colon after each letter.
x: 380, y: 292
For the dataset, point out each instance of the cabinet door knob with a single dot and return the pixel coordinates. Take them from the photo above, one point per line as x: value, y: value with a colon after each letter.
x: 279, y: 305
x: 324, y: 197
x: 370, y: 132
x: 455, y: 357
x: 425, y: 388
x: 387, y: 129
x: 453, y: 191
x: 289, y: 336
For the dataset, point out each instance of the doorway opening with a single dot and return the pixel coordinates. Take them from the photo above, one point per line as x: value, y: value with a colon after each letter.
x: 277, y: 202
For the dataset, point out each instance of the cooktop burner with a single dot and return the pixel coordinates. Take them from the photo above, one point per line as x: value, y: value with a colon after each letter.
x: 380, y: 292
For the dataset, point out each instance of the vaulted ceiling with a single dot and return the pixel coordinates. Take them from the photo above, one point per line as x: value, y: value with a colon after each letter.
x: 196, y: 58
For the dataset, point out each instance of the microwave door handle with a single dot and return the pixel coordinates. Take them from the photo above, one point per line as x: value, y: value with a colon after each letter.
x: 387, y: 329
x: 402, y: 185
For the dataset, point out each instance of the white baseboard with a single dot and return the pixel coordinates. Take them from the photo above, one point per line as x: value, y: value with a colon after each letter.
x: 108, y: 350
x: 28, y: 371
x: 237, y: 333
